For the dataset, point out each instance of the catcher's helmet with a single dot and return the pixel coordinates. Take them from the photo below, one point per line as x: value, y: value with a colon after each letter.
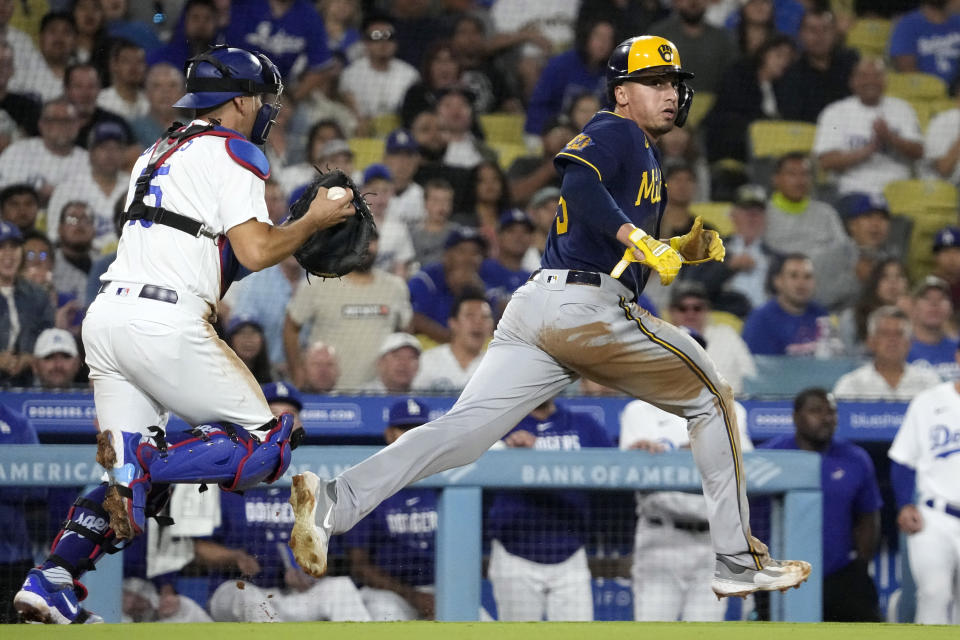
x: 644, y: 55
x: 222, y: 73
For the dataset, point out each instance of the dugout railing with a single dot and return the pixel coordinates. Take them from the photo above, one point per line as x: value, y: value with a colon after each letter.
x: 791, y: 476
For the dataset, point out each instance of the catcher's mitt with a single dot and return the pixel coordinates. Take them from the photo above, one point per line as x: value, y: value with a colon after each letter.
x: 337, y: 250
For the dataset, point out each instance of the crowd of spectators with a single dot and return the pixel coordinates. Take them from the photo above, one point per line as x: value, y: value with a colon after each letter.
x: 407, y: 96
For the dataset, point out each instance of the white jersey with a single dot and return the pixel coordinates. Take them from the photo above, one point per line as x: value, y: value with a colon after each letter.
x: 643, y: 421
x: 203, y: 182
x: 929, y: 442
x: 847, y: 125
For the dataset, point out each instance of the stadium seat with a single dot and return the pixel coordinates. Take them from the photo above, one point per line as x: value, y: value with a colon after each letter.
x: 507, y: 152
x: 727, y: 318
x: 773, y: 138
x: 715, y: 214
x: 383, y: 125
x: 366, y: 151
x: 915, y: 86
x: 914, y: 198
x: 702, y: 103
x: 869, y: 36
x: 789, y: 375
x: 502, y: 127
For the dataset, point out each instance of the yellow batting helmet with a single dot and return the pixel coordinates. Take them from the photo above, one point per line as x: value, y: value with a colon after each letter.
x: 645, y: 55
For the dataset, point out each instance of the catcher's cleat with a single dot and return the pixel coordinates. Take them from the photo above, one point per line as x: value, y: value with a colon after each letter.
x: 777, y: 575
x: 40, y: 600
x: 313, y: 501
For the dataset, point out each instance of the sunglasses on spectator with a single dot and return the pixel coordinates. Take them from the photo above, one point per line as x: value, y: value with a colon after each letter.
x: 380, y: 34
x: 36, y: 256
x: 683, y: 308
x: 76, y: 221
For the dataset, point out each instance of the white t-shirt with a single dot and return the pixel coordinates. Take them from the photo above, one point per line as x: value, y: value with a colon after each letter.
x: 203, y: 183
x: 407, y: 207
x: 730, y: 353
x: 377, y: 92
x: 441, y: 371
x: 643, y: 421
x: 866, y: 383
x: 82, y: 187
x: 847, y: 124
x: 110, y: 100
x: 554, y: 19
x: 942, y: 132
x: 395, y: 246
x: 929, y: 442
x: 30, y: 162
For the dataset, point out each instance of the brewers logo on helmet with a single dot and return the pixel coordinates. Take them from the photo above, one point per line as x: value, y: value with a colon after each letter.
x: 646, y: 55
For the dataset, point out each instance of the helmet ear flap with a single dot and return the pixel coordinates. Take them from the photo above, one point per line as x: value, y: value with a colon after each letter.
x: 684, y: 100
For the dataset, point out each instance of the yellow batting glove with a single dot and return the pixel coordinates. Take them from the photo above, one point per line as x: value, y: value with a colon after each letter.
x: 699, y: 244
x: 651, y: 252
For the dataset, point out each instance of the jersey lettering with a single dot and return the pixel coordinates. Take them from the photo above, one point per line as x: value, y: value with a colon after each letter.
x: 417, y: 522
x: 944, y: 441
x: 562, y: 219
x: 650, y: 185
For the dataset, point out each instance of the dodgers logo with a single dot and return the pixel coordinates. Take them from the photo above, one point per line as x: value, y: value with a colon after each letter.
x: 943, y: 441
x: 666, y: 52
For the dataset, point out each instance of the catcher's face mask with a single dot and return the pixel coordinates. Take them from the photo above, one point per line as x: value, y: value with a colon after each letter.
x: 267, y: 116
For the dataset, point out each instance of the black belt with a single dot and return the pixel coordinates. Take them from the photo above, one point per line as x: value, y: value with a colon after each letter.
x: 947, y: 508
x: 590, y: 278
x: 151, y: 292
x: 695, y: 526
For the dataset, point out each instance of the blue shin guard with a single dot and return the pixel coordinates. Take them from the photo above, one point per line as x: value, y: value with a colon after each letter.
x: 223, y: 454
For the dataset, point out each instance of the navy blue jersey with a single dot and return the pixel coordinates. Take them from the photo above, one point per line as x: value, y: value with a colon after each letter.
x: 849, y: 488
x: 259, y: 522
x: 294, y: 41
x: 400, y: 536
x: 16, y: 542
x: 548, y: 526
x: 626, y: 163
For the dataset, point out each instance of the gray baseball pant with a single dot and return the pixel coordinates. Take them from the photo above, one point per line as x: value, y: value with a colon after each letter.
x: 552, y: 333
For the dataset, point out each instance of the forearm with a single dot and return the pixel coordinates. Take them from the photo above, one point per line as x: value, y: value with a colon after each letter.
x: 369, y: 575
x: 430, y: 328
x: 211, y: 554
x: 866, y: 535
x: 945, y: 164
x: 291, y: 343
x: 840, y: 160
x: 523, y: 188
x: 259, y: 245
x: 910, y: 148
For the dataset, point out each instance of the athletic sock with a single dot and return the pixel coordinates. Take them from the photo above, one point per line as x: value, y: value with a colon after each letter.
x: 58, y: 576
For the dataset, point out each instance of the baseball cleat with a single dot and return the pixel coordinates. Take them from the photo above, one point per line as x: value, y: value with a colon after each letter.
x: 313, y: 501
x: 40, y: 600
x: 777, y: 575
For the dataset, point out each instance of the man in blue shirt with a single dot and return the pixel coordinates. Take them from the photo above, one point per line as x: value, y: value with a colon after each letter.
x: 851, y: 508
x: 16, y: 557
x: 290, y: 32
x: 791, y: 324
x: 927, y: 40
x: 392, y: 550
x: 538, y: 563
x: 932, y: 343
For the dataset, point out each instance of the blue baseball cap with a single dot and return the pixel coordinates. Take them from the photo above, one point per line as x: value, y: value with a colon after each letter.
x: 401, y: 141
x: 854, y: 205
x: 946, y: 238
x: 9, y: 232
x: 241, y: 320
x: 515, y: 216
x: 465, y: 234
x: 408, y: 413
x: 376, y: 171
x: 282, y: 392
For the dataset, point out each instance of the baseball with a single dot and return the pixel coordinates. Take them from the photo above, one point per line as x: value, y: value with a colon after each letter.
x: 335, y: 193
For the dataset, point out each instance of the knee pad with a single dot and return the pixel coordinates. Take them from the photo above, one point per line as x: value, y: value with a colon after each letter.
x: 223, y: 454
